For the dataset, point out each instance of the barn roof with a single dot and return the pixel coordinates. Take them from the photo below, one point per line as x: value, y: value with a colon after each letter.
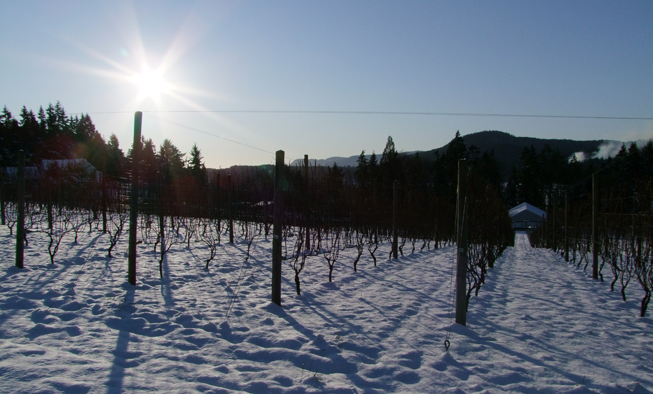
x: 526, y: 207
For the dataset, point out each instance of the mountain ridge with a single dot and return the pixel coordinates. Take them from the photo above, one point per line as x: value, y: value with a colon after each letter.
x: 506, y: 147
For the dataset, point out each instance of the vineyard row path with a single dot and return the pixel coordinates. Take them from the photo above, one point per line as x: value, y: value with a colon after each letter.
x: 552, y: 323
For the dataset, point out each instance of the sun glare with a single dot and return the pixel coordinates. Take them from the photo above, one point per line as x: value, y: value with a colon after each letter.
x: 150, y: 83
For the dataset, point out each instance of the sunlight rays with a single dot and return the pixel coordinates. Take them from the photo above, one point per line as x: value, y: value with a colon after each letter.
x: 151, y: 73
x: 148, y: 80
x: 151, y: 83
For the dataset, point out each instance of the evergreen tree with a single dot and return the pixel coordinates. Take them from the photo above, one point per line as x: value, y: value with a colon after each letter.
x: 115, y: 158
x: 373, y: 170
x: 446, y: 167
x: 390, y: 167
x: 647, y: 158
x: 172, y: 160
x: 362, y: 173
x: 415, y: 173
x: 196, y: 166
x: 8, y: 137
x: 487, y: 167
x: 335, y: 177
x: 59, y: 142
x: 456, y: 150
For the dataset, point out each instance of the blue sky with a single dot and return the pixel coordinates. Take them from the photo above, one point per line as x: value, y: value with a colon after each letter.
x: 591, y: 58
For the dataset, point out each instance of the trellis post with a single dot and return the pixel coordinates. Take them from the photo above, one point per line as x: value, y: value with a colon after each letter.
x: 20, y: 231
x: 395, y: 235
x: 231, y: 208
x: 2, y: 197
x: 276, y: 231
x: 566, y: 229
x: 461, y: 240
x: 595, y: 227
x: 306, y: 203
x: 104, y: 203
x: 133, y: 208
x: 553, y: 222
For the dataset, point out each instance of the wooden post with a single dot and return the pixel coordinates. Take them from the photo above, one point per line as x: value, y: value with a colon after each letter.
x: 553, y: 224
x: 2, y: 197
x: 461, y: 240
x: 49, y: 187
x: 20, y: 230
x: 306, y: 204
x: 231, y: 208
x: 104, y: 203
x: 276, y: 231
x: 566, y: 228
x: 133, y: 208
x: 638, y: 238
x: 375, y: 222
x: 435, y: 228
x: 546, y: 226
x: 162, y: 217
x: 595, y: 227
x: 217, y: 192
x: 395, y: 236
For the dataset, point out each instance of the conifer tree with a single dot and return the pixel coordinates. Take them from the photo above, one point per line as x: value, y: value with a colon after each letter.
x: 196, y: 166
x: 362, y: 172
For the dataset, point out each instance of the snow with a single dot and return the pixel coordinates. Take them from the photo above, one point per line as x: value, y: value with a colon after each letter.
x: 539, y: 325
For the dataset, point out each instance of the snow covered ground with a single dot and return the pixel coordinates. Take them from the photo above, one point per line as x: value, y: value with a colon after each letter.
x: 539, y: 325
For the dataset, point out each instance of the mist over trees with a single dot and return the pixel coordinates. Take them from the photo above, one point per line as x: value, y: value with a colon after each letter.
x: 543, y: 175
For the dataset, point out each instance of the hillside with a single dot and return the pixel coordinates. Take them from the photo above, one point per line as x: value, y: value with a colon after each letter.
x: 507, y: 148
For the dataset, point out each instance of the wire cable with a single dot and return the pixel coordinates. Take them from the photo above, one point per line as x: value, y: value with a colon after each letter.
x: 410, y: 113
x: 358, y: 112
x: 207, y: 133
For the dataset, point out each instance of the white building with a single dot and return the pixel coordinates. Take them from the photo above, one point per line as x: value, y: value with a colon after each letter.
x: 526, y: 216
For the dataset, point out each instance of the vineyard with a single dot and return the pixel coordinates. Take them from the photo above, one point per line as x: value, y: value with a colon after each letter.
x: 368, y: 281
x: 606, y: 223
x: 78, y: 326
x: 324, y: 213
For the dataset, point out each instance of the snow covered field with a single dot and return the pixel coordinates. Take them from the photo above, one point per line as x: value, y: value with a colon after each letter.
x: 539, y: 325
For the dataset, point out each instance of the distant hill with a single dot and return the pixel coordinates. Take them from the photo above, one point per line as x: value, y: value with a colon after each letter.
x: 507, y: 148
x: 341, y: 161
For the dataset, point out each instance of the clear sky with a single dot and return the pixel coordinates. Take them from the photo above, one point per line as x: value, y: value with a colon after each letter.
x: 588, y: 58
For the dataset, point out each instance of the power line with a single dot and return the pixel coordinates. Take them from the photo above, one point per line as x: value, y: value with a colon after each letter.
x: 100, y: 112
x: 205, y: 132
x: 404, y: 113
x: 414, y: 113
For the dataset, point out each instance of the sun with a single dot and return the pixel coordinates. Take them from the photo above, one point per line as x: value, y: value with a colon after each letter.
x: 151, y: 83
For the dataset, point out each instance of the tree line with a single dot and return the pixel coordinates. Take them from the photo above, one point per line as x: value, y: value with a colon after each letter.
x: 623, y: 220
x: 51, y: 134
x: 543, y: 174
